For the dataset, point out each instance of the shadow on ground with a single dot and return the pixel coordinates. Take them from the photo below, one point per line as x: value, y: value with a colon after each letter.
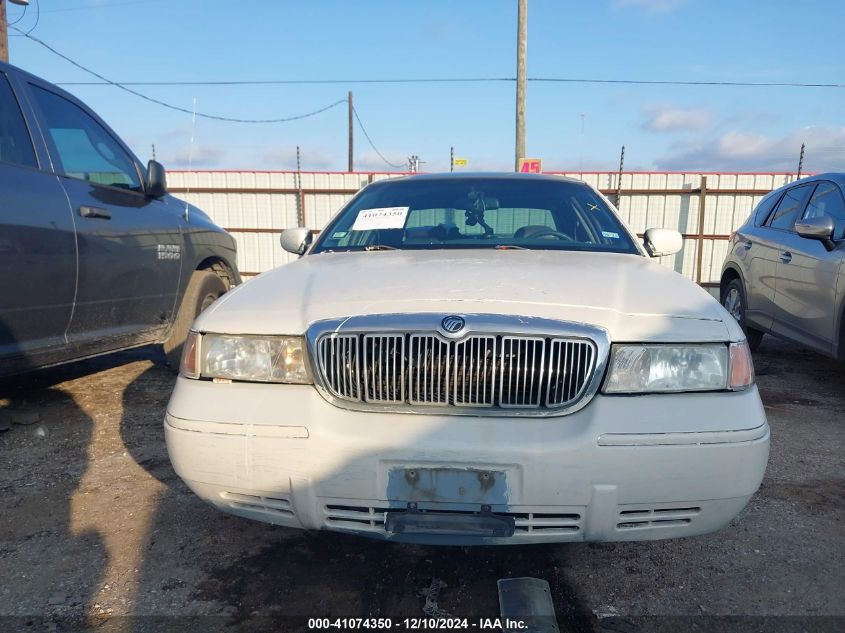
x: 245, y: 569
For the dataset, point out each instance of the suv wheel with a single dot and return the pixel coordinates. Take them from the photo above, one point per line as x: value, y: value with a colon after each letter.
x: 203, y: 289
x: 733, y: 300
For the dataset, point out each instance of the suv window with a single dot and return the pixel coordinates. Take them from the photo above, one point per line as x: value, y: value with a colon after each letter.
x: 828, y: 200
x: 787, y: 210
x: 84, y: 148
x: 765, y: 206
x: 15, y: 144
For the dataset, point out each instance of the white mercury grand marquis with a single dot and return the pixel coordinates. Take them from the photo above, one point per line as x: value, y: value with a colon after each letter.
x: 462, y: 359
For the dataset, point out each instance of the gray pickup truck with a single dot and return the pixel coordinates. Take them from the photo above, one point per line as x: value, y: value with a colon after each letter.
x: 95, y: 256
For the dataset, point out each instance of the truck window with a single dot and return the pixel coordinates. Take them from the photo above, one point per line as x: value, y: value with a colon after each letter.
x: 85, y: 149
x: 15, y: 143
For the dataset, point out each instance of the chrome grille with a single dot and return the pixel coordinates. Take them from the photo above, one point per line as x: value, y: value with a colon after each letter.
x: 474, y: 372
x: 522, y: 361
x: 571, y: 364
x: 384, y: 378
x: 339, y: 366
x: 428, y: 364
x: 479, y: 371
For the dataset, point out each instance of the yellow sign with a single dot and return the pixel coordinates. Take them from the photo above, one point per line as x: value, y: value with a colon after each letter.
x: 460, y: 162
x: 530, y: 166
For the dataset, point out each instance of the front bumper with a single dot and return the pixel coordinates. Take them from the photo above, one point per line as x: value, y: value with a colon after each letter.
x: 621, y: 469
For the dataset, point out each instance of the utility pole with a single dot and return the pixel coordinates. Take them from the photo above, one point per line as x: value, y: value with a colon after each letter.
x: 619, y: 179
x: 801, y: 160
x: 521, y: 54
x: 452, y: 158
x: 581, y: 145
x: 350, y: 165
x: 4, y: 35
x: 300, y: 200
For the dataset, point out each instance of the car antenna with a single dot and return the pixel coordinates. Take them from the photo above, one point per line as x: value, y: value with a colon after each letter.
x: 191, y: 156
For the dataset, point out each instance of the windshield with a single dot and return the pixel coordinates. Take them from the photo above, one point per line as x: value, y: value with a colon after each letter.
x: 438, y: 213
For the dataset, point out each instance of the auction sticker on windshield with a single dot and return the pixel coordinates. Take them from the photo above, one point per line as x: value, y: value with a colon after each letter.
x: 380, y: 218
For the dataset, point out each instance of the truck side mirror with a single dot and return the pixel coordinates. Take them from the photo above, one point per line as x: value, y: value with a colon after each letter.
x: 296, y: 240
x: 156, y: 179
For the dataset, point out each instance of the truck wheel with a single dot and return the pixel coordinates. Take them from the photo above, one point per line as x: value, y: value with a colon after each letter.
x: 203, y: 289
x: 733, y: 300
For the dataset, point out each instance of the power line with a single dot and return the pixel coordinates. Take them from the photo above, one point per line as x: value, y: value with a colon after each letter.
x: 169, y: 105
x: 21, y: 16
x: 37, y: 16
x: 370, y: 141
x: 272, y: 82
x: 430, y: 80
x: 661, y: 82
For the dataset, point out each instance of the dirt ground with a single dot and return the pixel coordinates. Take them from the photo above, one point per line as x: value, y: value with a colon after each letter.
x: 97, y: 531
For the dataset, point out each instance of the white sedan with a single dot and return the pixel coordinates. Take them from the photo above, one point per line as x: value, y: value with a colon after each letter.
x: 463, y: 359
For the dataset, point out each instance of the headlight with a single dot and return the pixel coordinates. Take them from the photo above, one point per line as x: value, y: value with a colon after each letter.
x: 668, y: 368
x: 249, y: 358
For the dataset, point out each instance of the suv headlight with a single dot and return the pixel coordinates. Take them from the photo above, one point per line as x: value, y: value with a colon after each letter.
x: 662, y: 368
x: 246, y: 358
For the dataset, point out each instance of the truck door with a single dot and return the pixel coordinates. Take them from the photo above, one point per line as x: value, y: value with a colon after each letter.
x: 37, y: 244
x: 130, y: 244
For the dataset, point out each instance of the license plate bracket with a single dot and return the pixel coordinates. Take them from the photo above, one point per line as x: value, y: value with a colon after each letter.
x: 484, y: 524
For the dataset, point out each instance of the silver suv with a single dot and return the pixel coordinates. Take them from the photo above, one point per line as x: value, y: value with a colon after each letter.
x: 784, y: 273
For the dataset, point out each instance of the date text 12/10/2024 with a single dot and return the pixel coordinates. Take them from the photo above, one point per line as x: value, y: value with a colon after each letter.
x: 417, y: 624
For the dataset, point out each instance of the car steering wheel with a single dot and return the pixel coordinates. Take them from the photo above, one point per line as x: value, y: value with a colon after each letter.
x: 548, y: 232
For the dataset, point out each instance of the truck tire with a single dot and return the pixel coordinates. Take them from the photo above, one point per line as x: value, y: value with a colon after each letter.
x: 203, y: 289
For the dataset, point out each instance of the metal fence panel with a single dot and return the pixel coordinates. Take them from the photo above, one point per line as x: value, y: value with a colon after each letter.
x: 255, y: 206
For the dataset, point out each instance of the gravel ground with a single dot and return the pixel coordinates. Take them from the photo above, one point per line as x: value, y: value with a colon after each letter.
x: 96, y: 530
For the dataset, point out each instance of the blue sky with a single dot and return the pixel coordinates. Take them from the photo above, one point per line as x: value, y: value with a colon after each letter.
x: 716, y: 128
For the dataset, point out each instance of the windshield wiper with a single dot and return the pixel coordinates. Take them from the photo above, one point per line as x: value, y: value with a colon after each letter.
x: 380, y: 247
x: 510, y: 247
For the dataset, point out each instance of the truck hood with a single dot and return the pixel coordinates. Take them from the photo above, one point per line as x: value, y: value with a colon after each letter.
x: 632, y: 297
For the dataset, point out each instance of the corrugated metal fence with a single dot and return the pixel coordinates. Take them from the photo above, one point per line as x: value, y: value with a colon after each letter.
x: 256, y: 206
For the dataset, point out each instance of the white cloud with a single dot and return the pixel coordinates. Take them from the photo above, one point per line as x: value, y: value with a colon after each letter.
x: 663, y: 117
x: 370, y: 161
x: 651, y: 6
x: 311, y: 159
x: 196, y: 156
x: 746, y: 151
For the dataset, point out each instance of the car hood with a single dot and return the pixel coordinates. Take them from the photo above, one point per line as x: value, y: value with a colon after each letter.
x: 632, y: 297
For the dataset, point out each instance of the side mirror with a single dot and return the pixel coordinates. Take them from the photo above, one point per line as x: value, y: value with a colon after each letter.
x: 661, y: 242
x: 819, y: 228
x: 296, y: 240
x: 156, y: 179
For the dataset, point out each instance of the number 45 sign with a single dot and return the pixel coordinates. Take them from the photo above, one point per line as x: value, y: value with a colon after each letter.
x: 530, y: 166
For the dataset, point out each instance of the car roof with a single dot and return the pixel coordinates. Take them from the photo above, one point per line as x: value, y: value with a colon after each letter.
x: 835, y: 176
x: 9, y: 68
x: 25, y: 76
x: 484, y: 175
